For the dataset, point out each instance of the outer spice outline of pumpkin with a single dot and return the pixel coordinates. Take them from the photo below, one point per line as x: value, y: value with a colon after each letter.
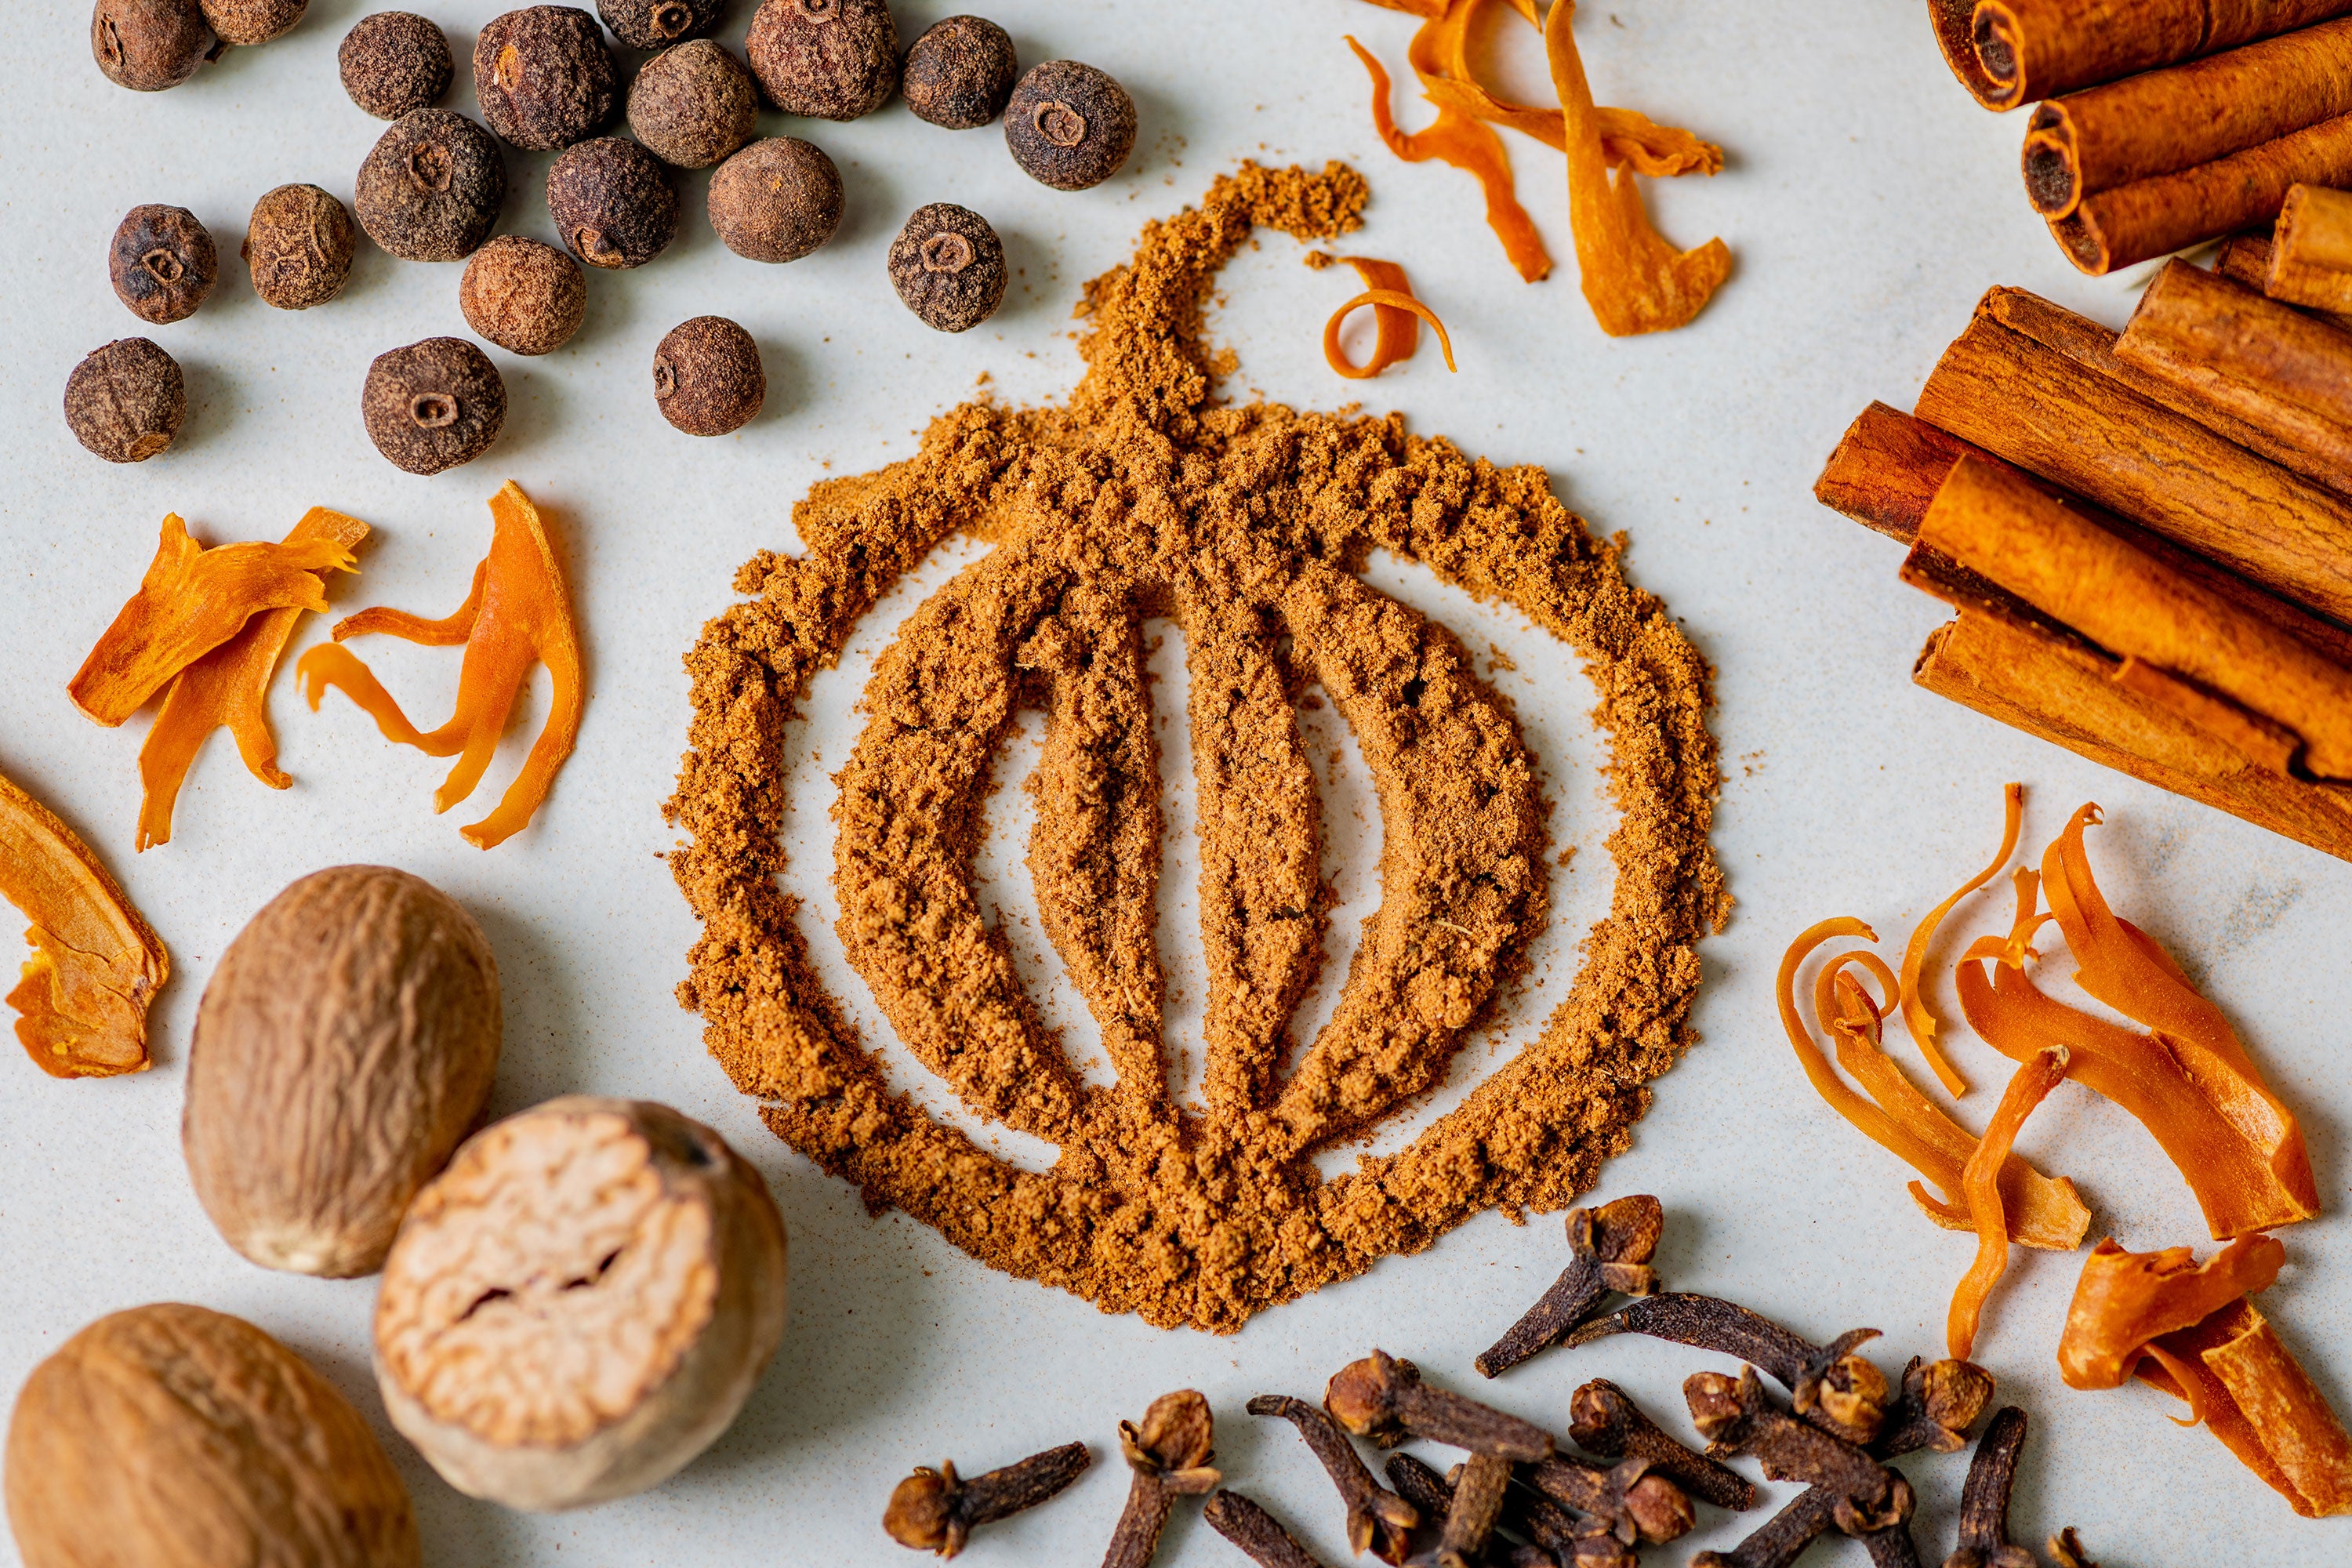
x: 1464, y: 877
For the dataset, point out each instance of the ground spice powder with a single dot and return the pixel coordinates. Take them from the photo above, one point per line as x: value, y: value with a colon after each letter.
x: 1144, y: 496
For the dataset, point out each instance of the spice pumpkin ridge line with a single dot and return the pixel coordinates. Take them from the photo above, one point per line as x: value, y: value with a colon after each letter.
x: 1145, y: 489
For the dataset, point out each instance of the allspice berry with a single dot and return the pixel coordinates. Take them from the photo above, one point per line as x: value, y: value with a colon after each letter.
x: 163, y: 263
x: 776, y: 200
x: 148, y: 45
x: 544, y: 77
x: 433, y: 406
x: 833, y: 59
x: 525, y: 296
x: 298, y: 246
x: 658, y: 23
x: 610, y: 203
x: 706, y: 377
x: 959, y: 72
x: 948, y: 267
x: 394, y: 61
x: 246, y: 22
x: 125, y: 401
x: 693, y: 105
x: 432, y: 188
x: 1069, y: 125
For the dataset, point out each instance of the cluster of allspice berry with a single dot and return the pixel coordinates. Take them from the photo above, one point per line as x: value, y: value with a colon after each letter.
x: 546, y: 80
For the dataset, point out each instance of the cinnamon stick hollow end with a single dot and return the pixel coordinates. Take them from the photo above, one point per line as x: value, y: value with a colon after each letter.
x: 2164, y: 213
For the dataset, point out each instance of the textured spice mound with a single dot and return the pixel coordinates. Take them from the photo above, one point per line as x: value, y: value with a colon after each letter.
x: 1145, y: 497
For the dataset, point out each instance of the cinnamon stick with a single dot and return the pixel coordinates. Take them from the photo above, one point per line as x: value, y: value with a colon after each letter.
x: 2171, y: 212
x: 2310, y: 260
x: 1993, y: 520
x: 2008, y: 52
x: 2245, y: 258
x: 2166, y: 120
x: 2222, y: 349
x: 2015, y: 384
x: 1887, y: 468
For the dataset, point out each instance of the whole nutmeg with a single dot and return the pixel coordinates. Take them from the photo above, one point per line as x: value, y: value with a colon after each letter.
x: 344, y: 1048
x: 298, y: 246
x: 163, y: 263
x: 433, y: 405
x: 580, y: 1304
x: 706, y: 377
x: 125, y: 402
x: 432, y: 187
x: 948, y: 267
x: 172, y: 1436
x: 958, y: 73
x: 394, y: 61
x: 658, y: 23
x: 776, y: 200
x: 610, y: 203
x: 544, y: 77
x: 833, y: 59
x: 148, y: 45
x: 525, y: 296
x: 251, y: 21
x: 1069, y: 125
x: 693, y: 105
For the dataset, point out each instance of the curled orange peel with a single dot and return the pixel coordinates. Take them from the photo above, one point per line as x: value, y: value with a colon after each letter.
x: 2125, y: 1300
x: 1981, y: 1181
x: 1918, y: 1017
x: 1391, y: 303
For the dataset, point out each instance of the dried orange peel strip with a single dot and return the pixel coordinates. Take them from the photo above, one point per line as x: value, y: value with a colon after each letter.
x: 1895, y: 1115
x: 1916, y: 1017
x: 1634, y: 281
x: 1979, y: 1180
x: 2126, y: 1299
x: 227, y: 687
x: 1398, y: 313
x: 518, y: 614
x: 191, y: 601
x: 95, y: 965
x: 2249, y: 1389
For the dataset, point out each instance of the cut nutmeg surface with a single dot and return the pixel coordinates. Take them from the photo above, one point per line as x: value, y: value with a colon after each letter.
x: 580, y: 1304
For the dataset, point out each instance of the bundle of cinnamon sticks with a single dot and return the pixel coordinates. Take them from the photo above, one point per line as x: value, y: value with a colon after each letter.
x: 2147, y: 537
x: 2161, y: 123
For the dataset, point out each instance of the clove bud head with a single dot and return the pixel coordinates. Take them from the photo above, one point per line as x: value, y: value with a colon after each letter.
x: 1661, y: 1510
x: 1948, y: 1395
x: 1852, y: 1392
x: 921, y: 1511
x: 1361, y: 1396
x: 1719, y: 1403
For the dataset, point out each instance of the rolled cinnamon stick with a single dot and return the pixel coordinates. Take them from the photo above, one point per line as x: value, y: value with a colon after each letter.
x: 1887, y: 470
x: 2166, y: 120
x: 2000, y: 386
x: 2246, y: 259
x: 2310, y: 260
x: 2165, y: 213
x: 2222, y: 347
x: 2008, y: 52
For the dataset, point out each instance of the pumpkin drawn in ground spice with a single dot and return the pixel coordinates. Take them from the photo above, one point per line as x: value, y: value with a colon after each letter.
x: 1141, y: 497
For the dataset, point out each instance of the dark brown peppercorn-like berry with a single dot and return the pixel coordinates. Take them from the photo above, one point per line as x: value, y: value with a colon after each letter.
x: 948, y: 267
x: 693, y: 105
x: 432, y: 188
x: 163, y: 263
x: 706, y: 377
x: 833, y: 59
x: 125, y: 402
x: 776, y: 200
x: 433, y: 406
x: 544, y: 77
x: 246, y: 22
x: 148, y: 45
x: 299, y: 246
x: 524, y: 296
x: 658, y: 23
x: 394, y: 61
x: 959, y: 72
x: 1069, y: 125
x: 610, y: 203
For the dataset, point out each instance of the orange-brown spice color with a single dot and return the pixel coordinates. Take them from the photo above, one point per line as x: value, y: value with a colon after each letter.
x: 1145, y: 497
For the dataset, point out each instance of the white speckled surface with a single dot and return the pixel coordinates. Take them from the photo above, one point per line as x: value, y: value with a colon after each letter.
x: 1869, y: 203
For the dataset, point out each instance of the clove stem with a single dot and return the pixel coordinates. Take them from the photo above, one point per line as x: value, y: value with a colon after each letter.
x: 1610, y: 1248
x: 1383, y: 1398
x: 1377, y: 1519
x: 934, y: 1511
x: 1781, y: 1538
x: 1470, y: 1518
x: 1842, y: 1392
x: 1169, y: 1454
x: 1258, y: 1534
x: 1984, y: 1498
x: 1604, y: 1420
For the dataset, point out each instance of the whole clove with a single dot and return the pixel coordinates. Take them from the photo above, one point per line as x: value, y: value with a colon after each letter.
x: 1430, y: 1493
x: 1736, y: 1418
x: 1377, y: 1519
x: 2066, y: 1549
x: 1610, y: 1249
x: 1384, y: 1399
x: 1604, y: 1420
x: 1170, y: 1454
x: 161, y: 262
x: 150, y: 45
x: 1984, y: 1498
x: 1470, y: 1516
x: 934, y: 1511
x: 1939, y: 1402
x: 1781, y: 1538
x: 1830, y: 1385
x: 1527, y: 1512
x: 1622, y: 1499
x: 1258, y: 1534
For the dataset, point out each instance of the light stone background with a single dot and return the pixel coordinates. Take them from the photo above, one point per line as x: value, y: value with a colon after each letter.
x: 1868, y: 201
